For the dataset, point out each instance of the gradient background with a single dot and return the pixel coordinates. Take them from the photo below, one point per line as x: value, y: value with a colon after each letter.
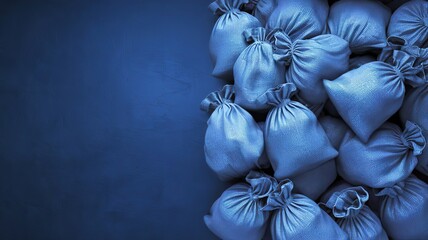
x: 101, y: 136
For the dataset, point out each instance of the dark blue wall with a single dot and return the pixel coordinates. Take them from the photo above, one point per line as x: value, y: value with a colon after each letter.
x: 101, y: 136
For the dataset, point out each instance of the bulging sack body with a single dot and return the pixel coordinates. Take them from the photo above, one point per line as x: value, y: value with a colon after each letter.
x: 237, y: 213
x: 387, y: 158
x: 314, y: 182
x: 362, y: 23
x: 233, y: 140
x: 404, y: 209
x: 410, y: 22
x: 347, y: 207
x: 312, y: 60
x: 227, y: 42
x: 415, y: 109
x: 256, y: 69
x: 294, y: 216
x: 295, y: 141
x: 299, y: 19
x: 367, y: 96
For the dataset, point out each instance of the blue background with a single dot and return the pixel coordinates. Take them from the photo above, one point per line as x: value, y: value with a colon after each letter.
x: 101, y: 136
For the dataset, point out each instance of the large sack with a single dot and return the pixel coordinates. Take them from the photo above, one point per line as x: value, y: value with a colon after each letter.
x: 233, y: 140
x: 227, y: 41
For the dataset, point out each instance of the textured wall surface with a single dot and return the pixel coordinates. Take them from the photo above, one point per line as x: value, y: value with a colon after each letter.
x: 101, y: 136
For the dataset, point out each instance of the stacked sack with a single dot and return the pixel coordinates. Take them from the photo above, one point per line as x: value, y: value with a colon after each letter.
x: 340, y: 93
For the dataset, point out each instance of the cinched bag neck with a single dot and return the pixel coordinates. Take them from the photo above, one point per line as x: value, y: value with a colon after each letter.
x: 280, y: 197
x: 348, y: 202
x: 404, y: 65
x: 220, y: 7
x: 217, y: 98
x: 280, y: 95
x: 413, y: 138
x: 261, y: 184
x: 282, y: 46
x: 393, y: 191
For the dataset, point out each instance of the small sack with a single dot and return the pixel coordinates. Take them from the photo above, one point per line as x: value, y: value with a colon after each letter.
x: 227, y: 42
x: 233, y: 140
x: 367, y: 96
x: 348, y: 209
x: 299, y: 19
x: 335, y: 129
x: 362, y: 23
x: 314, y: 182
x: 387, y: 158
x: 415, y: 109
x: 256, y: 69
x: 262, y: 9
x: 295, y: 141
x: 237, y: 213
x: 410, y: 22
x: 312, y: 60
x: 358, y: 61
x: 404, y: 209
x: 294, y: 216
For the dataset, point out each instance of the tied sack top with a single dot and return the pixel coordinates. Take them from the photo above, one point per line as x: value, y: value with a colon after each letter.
x: 226, y: 41
x: 295, y: 216
x: 348, y: 209
x: 237, y: 213
x: 233, y: 140
x: 295, y: 141
x: 369, y: 95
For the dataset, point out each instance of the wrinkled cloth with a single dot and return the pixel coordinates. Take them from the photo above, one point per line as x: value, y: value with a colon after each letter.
x: 227, y: 42
x: 410, y: 22
x: 257, y: 68
x: 237, y: 213
x: 358, y: 61
x: 404, y: 209
x: 362, y: 23
x: 387, y: 158
x: 367, y: 96
x: 348, y: 209
x: 314, y: 182
x: 335, y: 129
x: 311, y: 60
x: 233, y: 140
x: 415, y: 109
x: 295, y: 141
x: 262, y: 9
x: 299, y: 19
x: 295, y: 216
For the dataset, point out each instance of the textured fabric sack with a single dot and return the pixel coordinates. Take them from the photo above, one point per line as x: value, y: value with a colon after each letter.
x: 348, y: 209
x: 335, y: 129
x: 227, y: 42
x: 297, y: 217
x: 233, y: 140
x: 312, y: 60
x: 299, y: 19
x: 262, y: 9
x: 367, y: 96
x: 257, y: 68
x: 314, y: 182
x: 237, y: 213
x: 410, y: 22
x: 387, y: 158
x: 362, y: 23
x: 358, y: 61
x: 295, y: 141
x: 404, y: 210
x: 415, y: 109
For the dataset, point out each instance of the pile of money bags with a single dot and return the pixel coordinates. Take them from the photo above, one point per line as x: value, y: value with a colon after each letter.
x: 322, y: 123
